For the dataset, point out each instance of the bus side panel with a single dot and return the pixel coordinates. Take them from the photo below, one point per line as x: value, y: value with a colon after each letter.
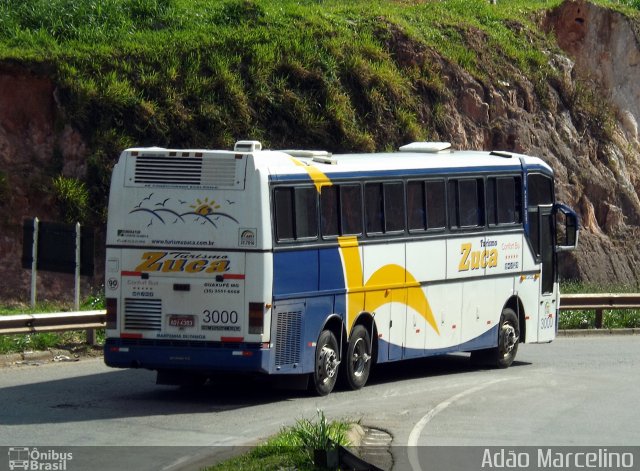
x: 486, y: 340
x: 482, y: 302
x: 296, y: 326
x: 383, y: 269
x: 426, y: 262
x: 295, y: 272
x: 445, y: 300
x: 306, y: 285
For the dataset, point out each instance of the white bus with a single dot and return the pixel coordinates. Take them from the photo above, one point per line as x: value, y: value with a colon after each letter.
x: 317, y: 265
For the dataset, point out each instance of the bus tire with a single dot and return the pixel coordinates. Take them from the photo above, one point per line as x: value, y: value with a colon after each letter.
x: 504, y: 354
x: 508, y: 338
x: 357, y: 364
x: 327, y: 361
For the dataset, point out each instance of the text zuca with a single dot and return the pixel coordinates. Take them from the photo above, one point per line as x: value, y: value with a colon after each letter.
x: 171, y: 262
x: 476, y: 259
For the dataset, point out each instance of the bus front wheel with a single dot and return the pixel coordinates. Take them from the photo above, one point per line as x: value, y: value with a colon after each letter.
x: 503, y: 355
x: 357, y: 366
x: 327, y: 362
x: 508, y: 338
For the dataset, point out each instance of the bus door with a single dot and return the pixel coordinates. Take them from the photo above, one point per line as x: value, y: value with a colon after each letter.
x: 547, y: 307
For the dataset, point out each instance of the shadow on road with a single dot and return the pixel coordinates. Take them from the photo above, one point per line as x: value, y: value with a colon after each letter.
x: 427, y: 368
x: 133, y: 393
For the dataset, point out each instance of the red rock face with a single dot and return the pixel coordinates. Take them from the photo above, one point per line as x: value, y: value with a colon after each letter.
x: 28, y: 141
x: 570, y: 26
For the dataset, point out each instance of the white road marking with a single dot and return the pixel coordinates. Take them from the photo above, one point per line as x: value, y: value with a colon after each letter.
x: 422, y: 423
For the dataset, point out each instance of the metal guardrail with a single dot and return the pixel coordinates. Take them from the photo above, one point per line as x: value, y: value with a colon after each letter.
x: 89, y: 320
x: 599, y: 302
x: 52, y: 322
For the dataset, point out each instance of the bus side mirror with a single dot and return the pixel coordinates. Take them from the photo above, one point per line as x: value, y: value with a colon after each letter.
x: 567, y: 228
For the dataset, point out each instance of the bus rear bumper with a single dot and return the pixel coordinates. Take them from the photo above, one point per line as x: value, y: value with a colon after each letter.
x: 203, y: 357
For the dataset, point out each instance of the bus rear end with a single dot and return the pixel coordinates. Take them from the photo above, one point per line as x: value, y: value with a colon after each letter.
x: 187, y: 274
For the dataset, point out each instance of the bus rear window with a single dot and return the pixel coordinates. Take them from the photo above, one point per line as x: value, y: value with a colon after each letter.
x: 296, y: 213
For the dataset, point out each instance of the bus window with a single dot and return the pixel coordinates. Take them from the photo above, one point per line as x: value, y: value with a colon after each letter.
x: 374, y: 208
x: 416, y: 211
x: 540, y: 189
x: 351, y: 209
x: 504, y: 200
x: 436, y: 204
x: 306, y: 222
x: 284, y: 213
x: 508, y: 200
x: 329, y: 211
x: 296, y: 213
x: 394, y: 207
x: 466, y: 203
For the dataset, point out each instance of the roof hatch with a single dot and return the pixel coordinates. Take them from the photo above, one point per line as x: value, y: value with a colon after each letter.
x: 247, y: 146
x: 428, y: 147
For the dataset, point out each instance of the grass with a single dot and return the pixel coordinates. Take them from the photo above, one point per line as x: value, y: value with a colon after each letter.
x: 292, y: 448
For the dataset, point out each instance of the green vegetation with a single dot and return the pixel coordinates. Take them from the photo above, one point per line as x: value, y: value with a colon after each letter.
x: 611, y: 319
x: 50, y: 340
x: 359, y: 75
x: 70, y: 340
x: 72, y: 198
x: 343, y: 76
x: 292, y: 448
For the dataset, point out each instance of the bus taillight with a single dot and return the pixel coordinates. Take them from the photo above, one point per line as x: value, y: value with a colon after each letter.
x: 256, y: 318
x: 112, y: 313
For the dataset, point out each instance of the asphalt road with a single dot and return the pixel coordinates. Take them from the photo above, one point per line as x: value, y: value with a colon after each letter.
x: 574, y: 391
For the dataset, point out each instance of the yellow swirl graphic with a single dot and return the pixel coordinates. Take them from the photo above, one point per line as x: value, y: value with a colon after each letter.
x: 318, y: 177
x: 370, y: 295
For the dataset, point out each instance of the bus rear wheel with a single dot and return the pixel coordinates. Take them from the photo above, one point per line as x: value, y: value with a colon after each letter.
x: 356, y: 368
x: 327, y: 362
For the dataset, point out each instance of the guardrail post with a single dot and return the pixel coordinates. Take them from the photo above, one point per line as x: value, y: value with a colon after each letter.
x: 599, y: 318
x: 34, y: 262
x: 76, y: 279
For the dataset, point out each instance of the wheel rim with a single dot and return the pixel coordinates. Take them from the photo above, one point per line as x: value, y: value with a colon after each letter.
x: 360, y: 357
x: 327, y: 364
x: 509, y: 338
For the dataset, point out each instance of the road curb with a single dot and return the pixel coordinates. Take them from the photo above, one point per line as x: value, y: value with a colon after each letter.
x: 371, y: 446
x: 10, y: 359
x: 596, y: 332
x: 35, y: 358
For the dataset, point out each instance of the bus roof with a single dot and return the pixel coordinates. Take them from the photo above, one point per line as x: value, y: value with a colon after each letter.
x: 413, y: 159
x: 404, y: 163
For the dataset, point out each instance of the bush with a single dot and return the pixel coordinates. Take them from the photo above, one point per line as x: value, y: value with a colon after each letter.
x: 72, y: 198
x: 321, y: 435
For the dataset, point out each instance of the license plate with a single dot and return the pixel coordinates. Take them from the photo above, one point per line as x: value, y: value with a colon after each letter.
x: 182, y: 321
